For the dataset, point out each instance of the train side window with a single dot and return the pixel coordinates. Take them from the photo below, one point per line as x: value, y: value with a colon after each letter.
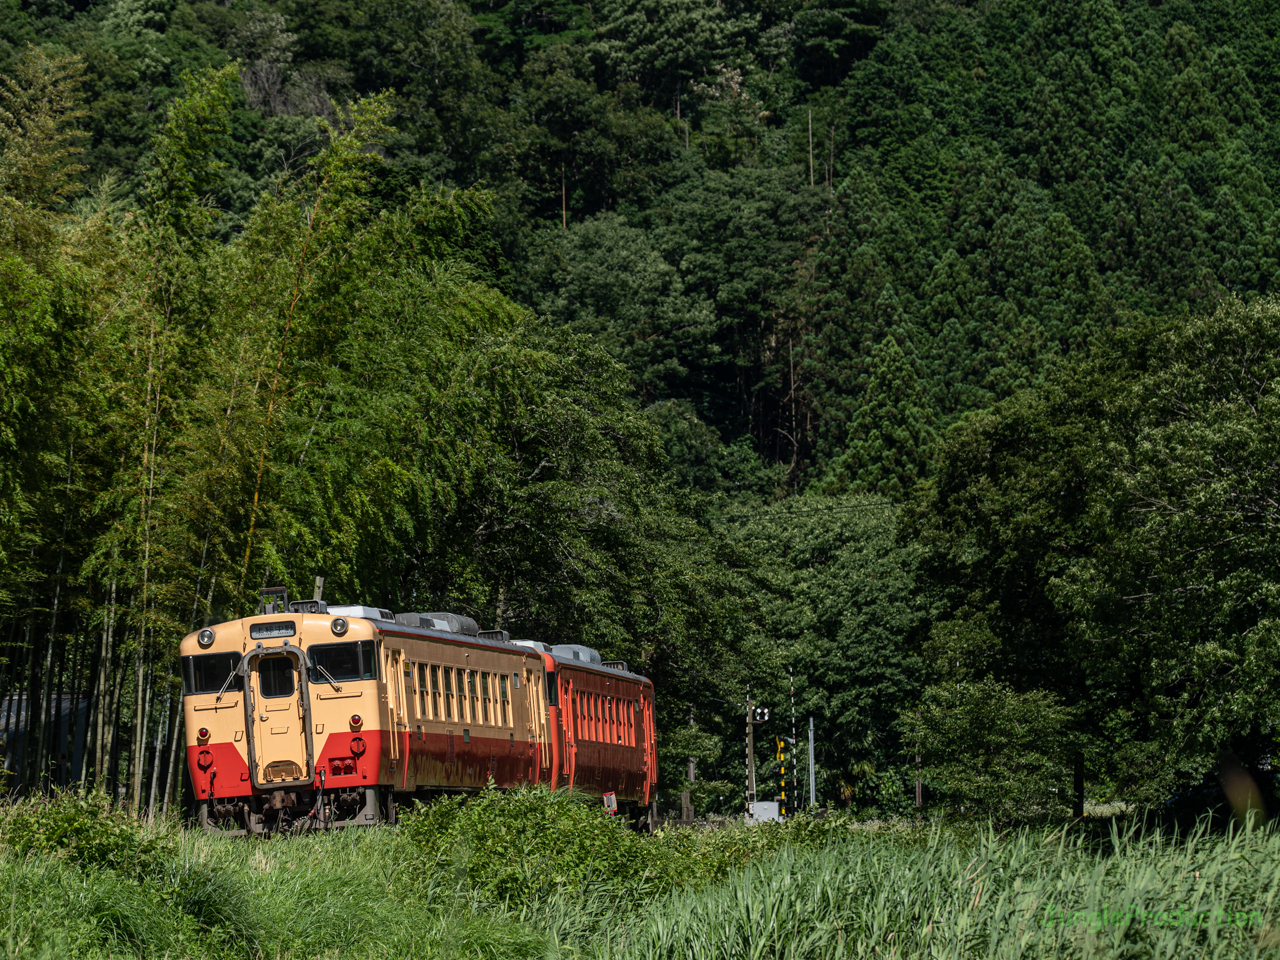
x: 553, y: 689
x: 408, y: 681
x: 435, y: 691
x: 422, y: 691
x: 475, y: 698
x: 502, y: 698
x: 460, y: 688
x: 484, y: 692
x: 448, y: 693
x: 368, y: 659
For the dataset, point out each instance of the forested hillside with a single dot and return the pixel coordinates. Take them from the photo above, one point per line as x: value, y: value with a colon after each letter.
x: 631, y: 323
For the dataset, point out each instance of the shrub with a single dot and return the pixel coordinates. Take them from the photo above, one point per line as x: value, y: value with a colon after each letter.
x: 84, y: 829
x: 528, y: 844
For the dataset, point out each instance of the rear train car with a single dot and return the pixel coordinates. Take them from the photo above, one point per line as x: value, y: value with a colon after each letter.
x: 310, y: 716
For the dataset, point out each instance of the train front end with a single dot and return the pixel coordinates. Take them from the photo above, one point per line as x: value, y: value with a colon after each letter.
x: 284, y: 721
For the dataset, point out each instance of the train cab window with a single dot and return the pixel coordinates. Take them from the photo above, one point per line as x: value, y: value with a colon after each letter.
x: 486, y: 694
x: 422, y: 691
x: 343, y: 662
x: 435, y: 691
x: 208, y: 672
x: 502, y: 699
x: 448, y: 693
x: 275, y: 676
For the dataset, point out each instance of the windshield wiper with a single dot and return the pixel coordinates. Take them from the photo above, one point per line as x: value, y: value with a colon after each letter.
x: 226, y: 683
x: 336, y: 686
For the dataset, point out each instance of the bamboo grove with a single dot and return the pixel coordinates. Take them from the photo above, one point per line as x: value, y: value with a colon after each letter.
x: 337, y: 391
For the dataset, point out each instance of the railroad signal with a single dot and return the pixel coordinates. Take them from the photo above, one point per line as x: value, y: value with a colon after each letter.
x: 783, y: 743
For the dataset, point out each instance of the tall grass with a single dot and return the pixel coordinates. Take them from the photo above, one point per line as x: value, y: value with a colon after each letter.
x: 474, y: 883
x: 1031, y: 894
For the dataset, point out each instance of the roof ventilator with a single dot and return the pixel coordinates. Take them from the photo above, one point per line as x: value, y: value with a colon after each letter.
x: 367, y: 613
x: 450, y: 622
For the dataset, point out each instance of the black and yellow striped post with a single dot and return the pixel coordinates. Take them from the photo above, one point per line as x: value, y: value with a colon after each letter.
x: 782, y: 774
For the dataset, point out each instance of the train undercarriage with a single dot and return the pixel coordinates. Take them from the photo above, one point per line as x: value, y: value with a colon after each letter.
x: 297, y: 811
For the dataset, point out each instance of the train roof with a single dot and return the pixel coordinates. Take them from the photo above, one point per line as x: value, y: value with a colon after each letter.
x: 558, y: 653
x: 462, y: 630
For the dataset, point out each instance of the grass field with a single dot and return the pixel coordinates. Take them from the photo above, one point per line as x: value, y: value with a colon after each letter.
x: 536, y: 875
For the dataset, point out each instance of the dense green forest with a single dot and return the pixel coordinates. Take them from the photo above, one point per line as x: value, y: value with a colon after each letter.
x: 923, y: 351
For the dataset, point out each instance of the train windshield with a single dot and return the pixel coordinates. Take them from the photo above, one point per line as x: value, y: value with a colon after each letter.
x: 343, y: 661
x: 207, y: 672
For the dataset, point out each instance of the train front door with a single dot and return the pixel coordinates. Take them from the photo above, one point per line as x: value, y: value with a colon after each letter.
x: 280, y: 752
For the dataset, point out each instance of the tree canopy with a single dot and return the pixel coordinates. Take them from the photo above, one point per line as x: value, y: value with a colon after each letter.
x: 565, y: 315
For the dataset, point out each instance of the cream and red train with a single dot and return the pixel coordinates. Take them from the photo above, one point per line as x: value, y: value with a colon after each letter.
x: 315, y: 716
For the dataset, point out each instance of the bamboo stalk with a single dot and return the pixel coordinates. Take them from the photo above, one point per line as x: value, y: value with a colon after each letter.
x: 28, y: 703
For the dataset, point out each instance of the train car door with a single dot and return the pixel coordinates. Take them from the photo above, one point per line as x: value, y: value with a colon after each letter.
x: 397, y: 724
x: 650, y: 760
x: 569, y: 719
x: 533, y: 704
x: 277, y: 713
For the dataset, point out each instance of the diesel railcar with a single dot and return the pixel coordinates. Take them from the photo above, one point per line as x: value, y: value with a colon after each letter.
x: 310, y: 716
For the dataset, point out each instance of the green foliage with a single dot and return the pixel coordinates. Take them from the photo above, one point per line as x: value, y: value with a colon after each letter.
x: 1105, y: 541
x: 891, y: 435
x: 480, y: 301
x: 995, y: 750
x: 529, y: 845
x: 85, y: 830
x: 808, y: 888
x: 844, y: 605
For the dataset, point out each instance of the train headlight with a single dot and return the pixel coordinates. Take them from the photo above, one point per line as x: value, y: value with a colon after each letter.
x: 205, y: 637
x: 339, y: 626
x: 355, y: 720
x: 203, y: 733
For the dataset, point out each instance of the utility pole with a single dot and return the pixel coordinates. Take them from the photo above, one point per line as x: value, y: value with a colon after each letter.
x: 813, y: 779
x: 795, y: 784
x: 754, y: 715
x: 811, y: 147
x: 919, y: 784
x: 686, y: 800
x: 692, y: 769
